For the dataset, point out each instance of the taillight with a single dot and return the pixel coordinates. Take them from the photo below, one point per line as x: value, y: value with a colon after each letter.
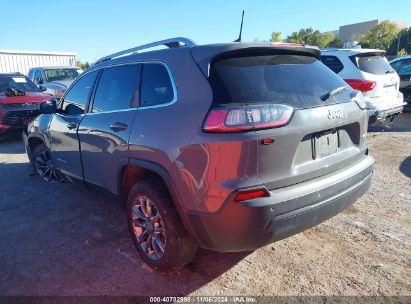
x: 358, y: 98
x: 247, y: 117
x: 361, y: 84
x: 251, y: 194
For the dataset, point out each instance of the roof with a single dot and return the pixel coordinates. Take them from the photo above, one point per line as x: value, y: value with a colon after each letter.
x: 203, y: 54
x: 12, y: 74
x: 401, y: 57
x: 353, y: 50
x: 56, y: 67
x: 37, y: 52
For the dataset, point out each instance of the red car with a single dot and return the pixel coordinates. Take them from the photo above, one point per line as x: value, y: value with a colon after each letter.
x: 19, y: 102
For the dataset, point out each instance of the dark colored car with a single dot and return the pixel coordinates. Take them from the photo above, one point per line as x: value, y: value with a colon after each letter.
x: 19, y: 102
x: 226, y: 146
x: 403, y: 67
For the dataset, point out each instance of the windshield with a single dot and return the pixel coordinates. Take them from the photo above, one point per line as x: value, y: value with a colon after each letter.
x: 61, y: 74
x: 403, y: 67
x: 295, y: 80
x: 19, y: 83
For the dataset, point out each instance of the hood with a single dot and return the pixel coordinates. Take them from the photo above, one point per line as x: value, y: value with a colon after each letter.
x: 61, y: 84
x: 30, y: 97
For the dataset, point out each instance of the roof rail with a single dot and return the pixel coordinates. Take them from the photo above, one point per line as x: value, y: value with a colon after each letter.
x: 170, y: 43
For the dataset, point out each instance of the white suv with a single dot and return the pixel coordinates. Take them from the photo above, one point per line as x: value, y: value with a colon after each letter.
x: 368, y: 71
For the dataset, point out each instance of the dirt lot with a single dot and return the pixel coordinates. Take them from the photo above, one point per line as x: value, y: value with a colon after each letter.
x: 56, y: 239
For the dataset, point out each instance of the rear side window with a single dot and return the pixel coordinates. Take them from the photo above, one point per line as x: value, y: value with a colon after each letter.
x: 333, y: 63
x: 295, y: 80
x: 76, y: 99
x: 117, y: 88
x: 376, y: 65
x: 156, y: 85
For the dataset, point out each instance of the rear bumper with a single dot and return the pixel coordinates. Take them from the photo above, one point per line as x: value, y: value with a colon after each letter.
x: 289, y: 210
x: 380, y: 114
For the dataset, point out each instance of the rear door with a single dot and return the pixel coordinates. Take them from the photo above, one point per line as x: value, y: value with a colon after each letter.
x: 324, y: 133
x: 105, y: 130
x: 64, y: 143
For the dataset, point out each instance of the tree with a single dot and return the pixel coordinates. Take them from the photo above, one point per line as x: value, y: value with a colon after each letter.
x: 405, y: 43
x: 336, y: 43
x: 81, y: 65
x: 276, y: 37
x: 310, y: 37
x: 380, y: 36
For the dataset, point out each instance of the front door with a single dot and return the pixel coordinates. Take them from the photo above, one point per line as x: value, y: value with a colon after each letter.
x: 105, y: 130
x: 64, y: 142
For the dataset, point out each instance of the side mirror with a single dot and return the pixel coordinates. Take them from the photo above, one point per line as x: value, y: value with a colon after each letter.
x: 39, y: 81
x: 43, y: 89
x: 48, y: 107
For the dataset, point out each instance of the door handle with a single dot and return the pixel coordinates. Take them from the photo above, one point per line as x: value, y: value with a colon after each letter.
x: 72, y: 125
x: 118, y: 126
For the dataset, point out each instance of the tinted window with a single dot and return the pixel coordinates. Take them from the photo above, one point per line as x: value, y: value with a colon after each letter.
x: 403, y: 67
x: 376, y: 65
x: 333, y: 63
x: 116, y: 88
x: 156, y: 87
x: 19, y: 83
x: 295, y: 80
x: 76, y: 99
x: 38, y: 75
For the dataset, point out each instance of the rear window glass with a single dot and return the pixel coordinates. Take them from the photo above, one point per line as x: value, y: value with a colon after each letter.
x: 19, y: 83
x: 295, y: 80
x: 376, y: 65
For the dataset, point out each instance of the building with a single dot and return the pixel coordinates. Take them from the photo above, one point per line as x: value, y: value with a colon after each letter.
x: 352, y: 32
x: 22, y: 61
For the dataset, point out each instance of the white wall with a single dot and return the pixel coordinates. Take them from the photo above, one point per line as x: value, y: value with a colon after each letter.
x: 18, y: 61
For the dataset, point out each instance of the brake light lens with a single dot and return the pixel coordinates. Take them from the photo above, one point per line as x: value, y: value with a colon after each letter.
x: 361, y: 84
x: 247, y: 117
x: 358, y: 98
x: 251, y: 194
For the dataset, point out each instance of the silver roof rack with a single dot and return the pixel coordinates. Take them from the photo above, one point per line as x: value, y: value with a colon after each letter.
x: 170, y: 43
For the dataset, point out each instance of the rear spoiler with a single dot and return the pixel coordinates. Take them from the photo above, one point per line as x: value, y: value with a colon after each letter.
x: 204, y: 55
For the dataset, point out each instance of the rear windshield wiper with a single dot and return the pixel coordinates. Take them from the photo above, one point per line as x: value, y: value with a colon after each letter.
x: 334, y: 92
x: 390, y: 71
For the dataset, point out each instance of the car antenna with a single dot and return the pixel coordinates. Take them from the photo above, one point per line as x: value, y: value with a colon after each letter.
x: 241, y: 29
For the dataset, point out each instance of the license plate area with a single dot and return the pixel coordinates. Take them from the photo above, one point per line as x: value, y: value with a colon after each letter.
x: 325, y: 144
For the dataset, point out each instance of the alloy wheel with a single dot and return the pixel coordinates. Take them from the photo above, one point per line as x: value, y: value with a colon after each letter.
x: 45, y: 168
x: 148, y: 227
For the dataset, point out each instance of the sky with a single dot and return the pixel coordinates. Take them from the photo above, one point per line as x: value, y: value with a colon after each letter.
x: 93, y: 29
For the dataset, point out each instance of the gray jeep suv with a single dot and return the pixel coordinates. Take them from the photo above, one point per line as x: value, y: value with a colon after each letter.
x: 225, y: 146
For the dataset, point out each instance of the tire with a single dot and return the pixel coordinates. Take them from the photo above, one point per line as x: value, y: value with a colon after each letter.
x: 166, y: 245
x: 43, y: 165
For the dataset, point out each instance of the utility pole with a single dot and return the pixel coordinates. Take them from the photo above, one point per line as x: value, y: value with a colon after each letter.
x: 398, y: 44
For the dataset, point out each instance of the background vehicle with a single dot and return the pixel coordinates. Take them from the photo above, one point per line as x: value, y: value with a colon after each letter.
x: 19, y: 102
x: 226, y: 146
x: 55, y: 79
x: 368, y: 71
x: 403, y: 67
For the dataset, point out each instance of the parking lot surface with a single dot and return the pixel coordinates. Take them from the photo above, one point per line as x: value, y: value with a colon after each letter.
x: 58, y: 239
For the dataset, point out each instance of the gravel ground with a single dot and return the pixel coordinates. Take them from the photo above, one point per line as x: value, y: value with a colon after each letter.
x: 57, y: 239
